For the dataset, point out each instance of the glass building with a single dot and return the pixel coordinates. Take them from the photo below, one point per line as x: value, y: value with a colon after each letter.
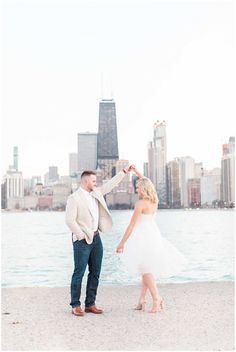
x: 107, y: 144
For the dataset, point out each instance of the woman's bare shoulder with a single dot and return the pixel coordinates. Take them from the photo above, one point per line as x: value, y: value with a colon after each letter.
x: 145, y: 204
x: 140, y: 203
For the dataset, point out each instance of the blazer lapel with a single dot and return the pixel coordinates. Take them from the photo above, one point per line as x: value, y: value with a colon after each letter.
x: 81, y: 193
x: 100, y: 199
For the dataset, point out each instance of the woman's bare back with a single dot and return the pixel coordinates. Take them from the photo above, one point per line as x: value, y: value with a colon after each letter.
x: 147, y: 206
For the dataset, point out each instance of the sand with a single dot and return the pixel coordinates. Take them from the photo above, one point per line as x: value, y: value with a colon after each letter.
x: 198, y: 316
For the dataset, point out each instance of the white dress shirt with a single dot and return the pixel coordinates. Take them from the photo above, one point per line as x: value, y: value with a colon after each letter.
x: 93, y: 207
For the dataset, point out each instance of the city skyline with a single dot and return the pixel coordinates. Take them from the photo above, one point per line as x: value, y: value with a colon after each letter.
x: 142, y: 168
x: 177, y: 66
x: 140, y: 163
x: 186, y: 183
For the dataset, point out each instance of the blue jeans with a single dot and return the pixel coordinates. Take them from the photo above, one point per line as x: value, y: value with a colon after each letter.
x: 91, y: 255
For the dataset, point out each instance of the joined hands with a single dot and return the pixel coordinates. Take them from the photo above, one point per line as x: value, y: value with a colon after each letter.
x: 130, y: 168
x: 133, y: 168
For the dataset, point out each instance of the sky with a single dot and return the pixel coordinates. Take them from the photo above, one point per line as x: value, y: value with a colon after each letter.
x: 159, y: 60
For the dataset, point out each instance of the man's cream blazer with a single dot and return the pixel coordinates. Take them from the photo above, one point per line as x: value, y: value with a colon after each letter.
x: 78, y: 216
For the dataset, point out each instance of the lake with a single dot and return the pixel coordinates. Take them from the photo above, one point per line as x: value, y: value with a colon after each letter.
x: 37, y: 248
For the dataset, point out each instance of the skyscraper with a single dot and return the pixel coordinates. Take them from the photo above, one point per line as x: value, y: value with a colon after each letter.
x: 13, y: 189
x: 198, y: 170
x: 15, y: 158
x: 51, y: 176
x: 210, y: 186
x: 187, y: 171
x: 145, y: 169
x: 73, y: 163
x: 87, y: 151
x: 232, y: 145
x: 228, y: 172
x: 107, y: 145
x: 173, y: 184
x: 157, y: 161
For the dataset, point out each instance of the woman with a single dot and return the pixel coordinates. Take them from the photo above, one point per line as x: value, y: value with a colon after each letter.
x: 144, y: 250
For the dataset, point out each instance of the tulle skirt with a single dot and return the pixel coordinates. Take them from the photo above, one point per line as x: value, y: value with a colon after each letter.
x: 146, y: 251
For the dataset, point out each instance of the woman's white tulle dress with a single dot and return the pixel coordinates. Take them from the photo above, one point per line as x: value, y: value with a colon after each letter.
x: 146, y: 251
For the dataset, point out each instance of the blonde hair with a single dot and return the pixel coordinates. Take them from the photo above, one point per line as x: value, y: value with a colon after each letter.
x: 148, y: 190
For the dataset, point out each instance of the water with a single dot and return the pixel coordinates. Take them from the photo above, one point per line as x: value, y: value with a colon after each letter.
x: 37, y: 249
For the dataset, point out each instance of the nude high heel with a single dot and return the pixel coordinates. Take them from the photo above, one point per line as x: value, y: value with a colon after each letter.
x: 156, y: 304
x: 141, y: 305
x: 162, y: 304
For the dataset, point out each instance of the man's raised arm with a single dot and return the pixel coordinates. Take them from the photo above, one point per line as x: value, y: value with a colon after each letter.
x: 109, y: 185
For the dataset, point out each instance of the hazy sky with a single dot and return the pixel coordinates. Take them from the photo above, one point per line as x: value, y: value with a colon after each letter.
x: 161, y: 60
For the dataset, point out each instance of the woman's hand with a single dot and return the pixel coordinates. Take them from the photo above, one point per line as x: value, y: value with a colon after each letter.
x: 120, y: 248
x: 132, y: 168
x: 137, y: 173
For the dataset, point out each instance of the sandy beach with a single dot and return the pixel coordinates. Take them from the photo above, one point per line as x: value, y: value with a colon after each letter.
x: 198, y: 316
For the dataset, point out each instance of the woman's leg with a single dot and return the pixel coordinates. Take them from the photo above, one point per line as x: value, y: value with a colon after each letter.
x: 142, y: 298
x: 143, y: 290
x: 149, y: 281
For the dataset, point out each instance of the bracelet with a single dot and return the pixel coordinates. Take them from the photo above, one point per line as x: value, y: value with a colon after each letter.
x: 124, y: 171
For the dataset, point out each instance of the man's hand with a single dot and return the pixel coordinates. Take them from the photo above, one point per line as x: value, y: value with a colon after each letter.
x: 127, y: 169
x: 134, y: 169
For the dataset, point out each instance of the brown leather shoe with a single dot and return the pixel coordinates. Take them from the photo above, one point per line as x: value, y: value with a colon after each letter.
x: 93, y: 309
x: 77, y: 311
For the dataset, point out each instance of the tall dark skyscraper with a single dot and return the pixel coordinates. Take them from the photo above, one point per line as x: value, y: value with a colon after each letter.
x: 107, y: 145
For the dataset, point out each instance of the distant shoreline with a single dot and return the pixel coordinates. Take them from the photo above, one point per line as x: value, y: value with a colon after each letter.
x: 120, y: 285
x: 161, y: 209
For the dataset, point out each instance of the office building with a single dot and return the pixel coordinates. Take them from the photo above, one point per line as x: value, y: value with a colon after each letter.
x: 14, y: 189
x: 87, y: 151
x: 173, y: 184
x: 107, y: 146
x: 194, y: 192
x: 187, y: 171
x: 145, y: 169
x: 51, y: 176
x: 157, y: 161
x: 228, y: 173
x: 73, y: 164
x: 210, y: 186
x: 15, y: 158
x: 13, y: 185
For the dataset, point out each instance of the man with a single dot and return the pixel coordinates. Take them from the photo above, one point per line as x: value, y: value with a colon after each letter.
x: 86, y: 215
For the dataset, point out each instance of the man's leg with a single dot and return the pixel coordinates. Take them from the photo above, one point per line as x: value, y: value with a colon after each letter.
x: 81, y: 256
x: 94, y: 265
